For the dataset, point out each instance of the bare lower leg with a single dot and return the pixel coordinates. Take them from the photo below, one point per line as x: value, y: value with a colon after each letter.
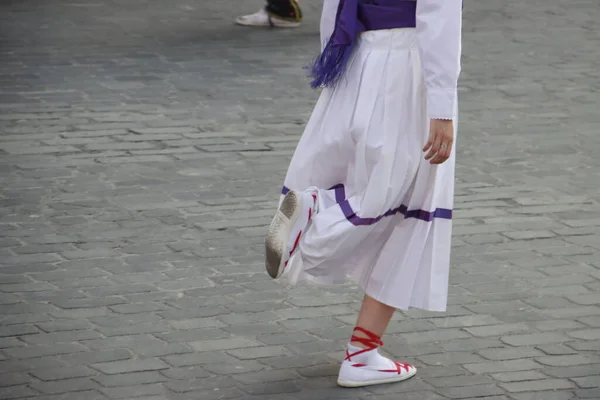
x: 374, y: 316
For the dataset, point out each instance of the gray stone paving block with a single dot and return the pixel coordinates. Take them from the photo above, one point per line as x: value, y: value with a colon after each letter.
x: 285, y: 338
x: 90, y: 357
x: 119, y: 367
x: 470, y: 344
x: 451, y: 358
x: 529, y: 235
x: 136, y: 159
x: 185, y: 373
x: 239, y: 367
x: 192, y: 335
x: 134, y: 391
x: 80, y: 313
x: 60, y: 337
x: 592, y: 345
x: 569, y: 360
x: 426, y: 371
x: 562, y: 290
x: 134, y: 308
x: 115, y: 290
x: 35, y: 351
x: 545, y: 395
x: 221, y: 394
x: 64, y: 385
x: 409, y: 386
x: 254, y: 329
x: 64, y: 274
x: 299, y: 361
x: 539, y: 385
x: 257, y: 378
x: 55, y: 374
x: 18, y: 330
x: 162, y: 350
x: 6, y: 298
x: 195, y: 359
x: 501, y: 354
x: 83, y: 282
x: 282, y: 388
x: 572, y: 312
x: 34, y: 148
x: 125, y: 341
x: 519, y: 376
x: 553, y: 349
x: 15, y: 379
x: 462, y: 380
x: 24, y: 318
x: 586, y: 299
x: 251, y: 318
x: 42, y: 248
x: 115, y: 320
x: 253, y: 353
x: 587, y: 393
x: 30, y: 259
x: 572, y: 371
x: 327, y: 393
x: 10, y: 342
x: 212, y: 383
x: 534, y: 339
x: 150, y: 137
x: 502, y: 366
x: 318, y: 346
x: 223, y: 344
x: 84, y: 394
x: 593, y: 321
x: 436, y: 335
x: 465, y: 321
x: 343, y: 332
x: 171, y: 130
x: 587, y: 382
x: 86, y: 254
x: 320, y: 371
x: 220, y: 312
x: 471, y: 391
x: 16, y: 392
x: 24, y: 365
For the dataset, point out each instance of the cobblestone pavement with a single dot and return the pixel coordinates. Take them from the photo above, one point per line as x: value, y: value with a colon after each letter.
x: 142, y: 149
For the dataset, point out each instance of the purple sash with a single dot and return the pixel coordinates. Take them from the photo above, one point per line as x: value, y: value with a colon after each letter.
x: 354, y: 17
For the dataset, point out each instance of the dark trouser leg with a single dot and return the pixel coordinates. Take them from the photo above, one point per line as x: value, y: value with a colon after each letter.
x: 284, y: 9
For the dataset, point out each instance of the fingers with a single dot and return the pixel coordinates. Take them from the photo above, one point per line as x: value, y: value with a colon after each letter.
x: 439, y: 151
x: 443, y: 154
x: 429, y: 142
x: 439, y: 144
x: 434, y: 148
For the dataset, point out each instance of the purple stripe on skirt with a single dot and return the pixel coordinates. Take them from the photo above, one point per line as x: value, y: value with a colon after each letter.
x: 340, y: 198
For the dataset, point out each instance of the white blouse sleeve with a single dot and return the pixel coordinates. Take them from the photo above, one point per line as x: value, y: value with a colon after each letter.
x: 328, y: 20
x: 439, y: 24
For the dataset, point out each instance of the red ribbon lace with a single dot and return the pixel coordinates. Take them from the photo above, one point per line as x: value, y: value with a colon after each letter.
x: 372, y: 341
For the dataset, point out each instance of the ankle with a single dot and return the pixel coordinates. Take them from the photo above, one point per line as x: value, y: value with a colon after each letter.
x: 359, y: 345
x: 364, y: 339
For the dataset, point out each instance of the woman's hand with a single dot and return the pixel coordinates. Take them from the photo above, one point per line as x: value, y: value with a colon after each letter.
x: 441, y: 138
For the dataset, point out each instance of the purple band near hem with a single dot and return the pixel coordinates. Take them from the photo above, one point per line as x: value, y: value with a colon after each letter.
x: 340, y: 198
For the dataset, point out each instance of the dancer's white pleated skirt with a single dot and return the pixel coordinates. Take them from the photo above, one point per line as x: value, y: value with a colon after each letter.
x: 384, y: 216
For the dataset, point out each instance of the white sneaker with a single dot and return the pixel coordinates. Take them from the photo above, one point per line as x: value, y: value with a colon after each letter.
x: 285, y: 231
x: 365, y: 367
x: 262, y: 18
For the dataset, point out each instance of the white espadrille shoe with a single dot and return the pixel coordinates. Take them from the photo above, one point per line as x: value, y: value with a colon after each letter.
x: 263, y: 18
x: 290, y: 221
x: 365, y: 367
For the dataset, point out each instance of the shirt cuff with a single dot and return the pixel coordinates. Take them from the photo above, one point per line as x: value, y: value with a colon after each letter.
x: 441, y: 103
